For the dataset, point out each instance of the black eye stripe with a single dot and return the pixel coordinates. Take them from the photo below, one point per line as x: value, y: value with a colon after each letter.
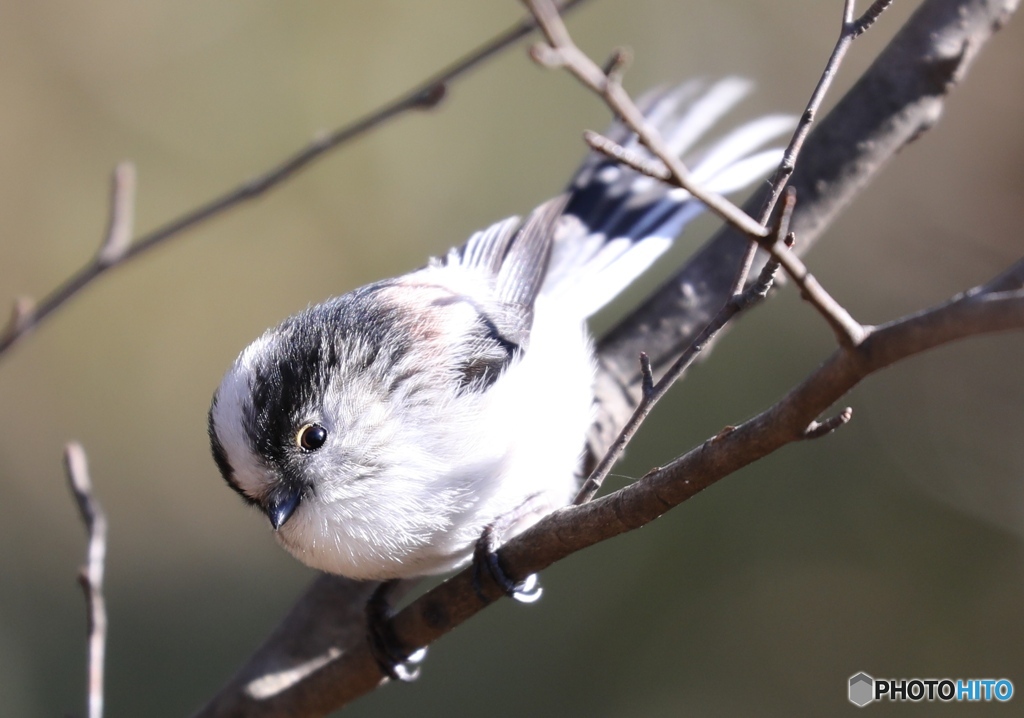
x: 311, y: 437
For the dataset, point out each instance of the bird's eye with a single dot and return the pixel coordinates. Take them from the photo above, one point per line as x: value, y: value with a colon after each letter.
x: 311, y: 437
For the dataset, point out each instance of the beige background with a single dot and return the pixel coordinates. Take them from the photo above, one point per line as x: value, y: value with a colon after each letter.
x: 893, y: 547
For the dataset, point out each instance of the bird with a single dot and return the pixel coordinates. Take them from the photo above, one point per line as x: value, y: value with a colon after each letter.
x: 384, y: 431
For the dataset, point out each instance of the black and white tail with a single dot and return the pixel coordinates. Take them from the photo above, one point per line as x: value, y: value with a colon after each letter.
x: 618, y: 222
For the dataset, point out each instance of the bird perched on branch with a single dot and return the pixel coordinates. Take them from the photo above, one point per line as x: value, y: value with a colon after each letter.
x: 384, y: 431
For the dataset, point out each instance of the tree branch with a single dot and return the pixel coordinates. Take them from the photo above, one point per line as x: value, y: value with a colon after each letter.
x: 655, y: 391
x: 562, y: 52
x: 91, y: 575
x: 117, y: 247
x: 897, y: 99
x: 851, y: 29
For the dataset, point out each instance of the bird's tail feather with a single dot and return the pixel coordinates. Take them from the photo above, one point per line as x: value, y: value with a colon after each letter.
x: 618, y: 222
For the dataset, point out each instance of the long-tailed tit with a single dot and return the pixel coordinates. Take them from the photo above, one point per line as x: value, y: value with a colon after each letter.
x: 384, y: 430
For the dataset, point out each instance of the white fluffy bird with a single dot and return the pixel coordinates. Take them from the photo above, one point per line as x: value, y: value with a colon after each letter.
x: 384, y: 430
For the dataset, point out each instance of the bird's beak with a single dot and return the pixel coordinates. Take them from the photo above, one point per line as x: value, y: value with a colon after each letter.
x: 281, y: 504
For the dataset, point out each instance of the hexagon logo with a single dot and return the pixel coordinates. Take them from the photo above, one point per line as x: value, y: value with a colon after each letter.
x: 862, y: 689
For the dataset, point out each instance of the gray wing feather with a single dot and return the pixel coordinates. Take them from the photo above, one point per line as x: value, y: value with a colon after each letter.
x: 514, y: 255
x: 523, y: 269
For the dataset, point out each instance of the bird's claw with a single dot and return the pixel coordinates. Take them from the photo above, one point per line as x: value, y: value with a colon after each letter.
x: 528, y: 590
x: 393, y: 660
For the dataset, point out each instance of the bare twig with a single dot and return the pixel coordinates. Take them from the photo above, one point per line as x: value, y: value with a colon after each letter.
x: 848, y: 331
x: 817, y: 429
x: 851, y: 29
x: 115, y: 248
x: 122, y: 215
x: 865, y: 21
x: 648, y: 374
x: 425, y: 95
x: 653, y: 392
x: 561, y: 51
x: 777, y: 183
x: 898, y: 99
x: 21, y: 313
x: 758, y: 290
x: 610, y: 148
x: 91, y: 575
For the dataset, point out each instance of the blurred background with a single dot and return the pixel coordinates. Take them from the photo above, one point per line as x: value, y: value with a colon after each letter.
x: 892, y: 547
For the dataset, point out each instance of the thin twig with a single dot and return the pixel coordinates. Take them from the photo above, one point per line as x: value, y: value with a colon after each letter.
x: 758, y: 290
x: 561, y: 51
x: 850, y: 30
x: 425, y: 95
x: 652, y: 167
x: 647, y: 373
x: 122, y: 215
x: 653, y: 392
x: 865, y: 21
x: 91, y: 574
x: 849, y: 332
x: 810, y: 113
x: 818, y: 429
x: 21, y: 313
